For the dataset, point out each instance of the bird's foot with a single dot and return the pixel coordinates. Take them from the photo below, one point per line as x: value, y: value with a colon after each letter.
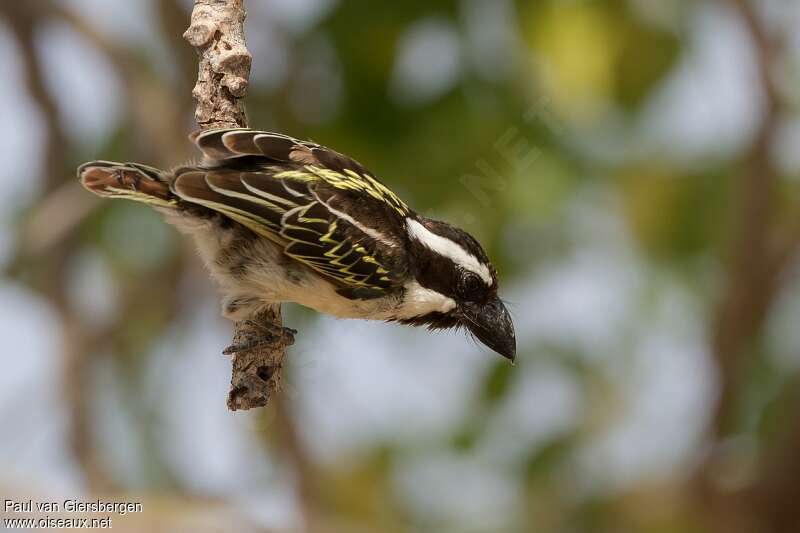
x: 268, y: 336
x: 273, y: 332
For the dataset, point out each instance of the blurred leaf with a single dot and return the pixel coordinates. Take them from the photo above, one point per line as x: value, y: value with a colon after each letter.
x: 361, y: 491
x: 590, y: 53
x: 498, y: 382
x: 760, y: 395
x: 549, y: 457
x: 576, y: 45
x: 366, y: 39
x: 647, y: 54
x: 539, y: 193
x: 465, y: 439
x: 673, y: 216
x: 782, y: 406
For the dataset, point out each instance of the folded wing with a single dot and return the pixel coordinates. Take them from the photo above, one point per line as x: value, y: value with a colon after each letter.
x: 309, y: 200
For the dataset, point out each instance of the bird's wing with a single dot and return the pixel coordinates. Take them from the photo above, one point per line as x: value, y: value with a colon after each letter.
x: 328, y: 213
x: 251, y: 147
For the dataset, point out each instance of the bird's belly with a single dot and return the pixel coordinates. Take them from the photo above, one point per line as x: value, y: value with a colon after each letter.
x: 322, y: 297
x: 253, y: 273
x: 302, y: 285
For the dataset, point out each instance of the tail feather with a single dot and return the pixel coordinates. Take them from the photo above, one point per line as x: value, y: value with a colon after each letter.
x: 127, y: 180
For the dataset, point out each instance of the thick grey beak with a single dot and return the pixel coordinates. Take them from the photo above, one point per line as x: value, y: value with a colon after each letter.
x: 491, y: 324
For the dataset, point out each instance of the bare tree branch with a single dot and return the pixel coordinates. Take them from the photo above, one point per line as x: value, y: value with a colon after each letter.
x: 758, y: 259
x: 751, y: 277
x: 217, y: 32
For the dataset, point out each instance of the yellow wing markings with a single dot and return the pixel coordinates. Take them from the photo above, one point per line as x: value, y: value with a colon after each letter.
x: 303, y: 218
x: 349, y: 180
x: 336, y: 260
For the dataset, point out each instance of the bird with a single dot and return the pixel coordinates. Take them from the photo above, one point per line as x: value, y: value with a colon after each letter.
x: 276, y: 220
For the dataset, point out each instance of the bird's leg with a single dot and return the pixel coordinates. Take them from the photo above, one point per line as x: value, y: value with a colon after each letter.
x: 270, y: 334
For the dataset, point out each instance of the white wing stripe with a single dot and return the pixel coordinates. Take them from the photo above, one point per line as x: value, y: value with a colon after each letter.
x: 268, y: 196
x: 291, y: 191
x: 248, y: 197
x: 375, y: 234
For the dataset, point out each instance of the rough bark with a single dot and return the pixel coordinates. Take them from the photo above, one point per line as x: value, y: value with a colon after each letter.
x: 217, y: 32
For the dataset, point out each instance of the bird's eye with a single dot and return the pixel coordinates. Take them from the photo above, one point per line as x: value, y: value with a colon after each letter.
x: 471, y: 286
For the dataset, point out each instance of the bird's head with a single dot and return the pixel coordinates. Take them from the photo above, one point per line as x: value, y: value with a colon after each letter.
x: 456, y: 285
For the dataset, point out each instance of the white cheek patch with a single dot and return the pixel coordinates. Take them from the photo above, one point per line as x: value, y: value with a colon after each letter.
x: 449, y: 249
x: 420, y: 301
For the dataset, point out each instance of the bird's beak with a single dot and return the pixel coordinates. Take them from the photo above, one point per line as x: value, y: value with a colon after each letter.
x: 491, y: 324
